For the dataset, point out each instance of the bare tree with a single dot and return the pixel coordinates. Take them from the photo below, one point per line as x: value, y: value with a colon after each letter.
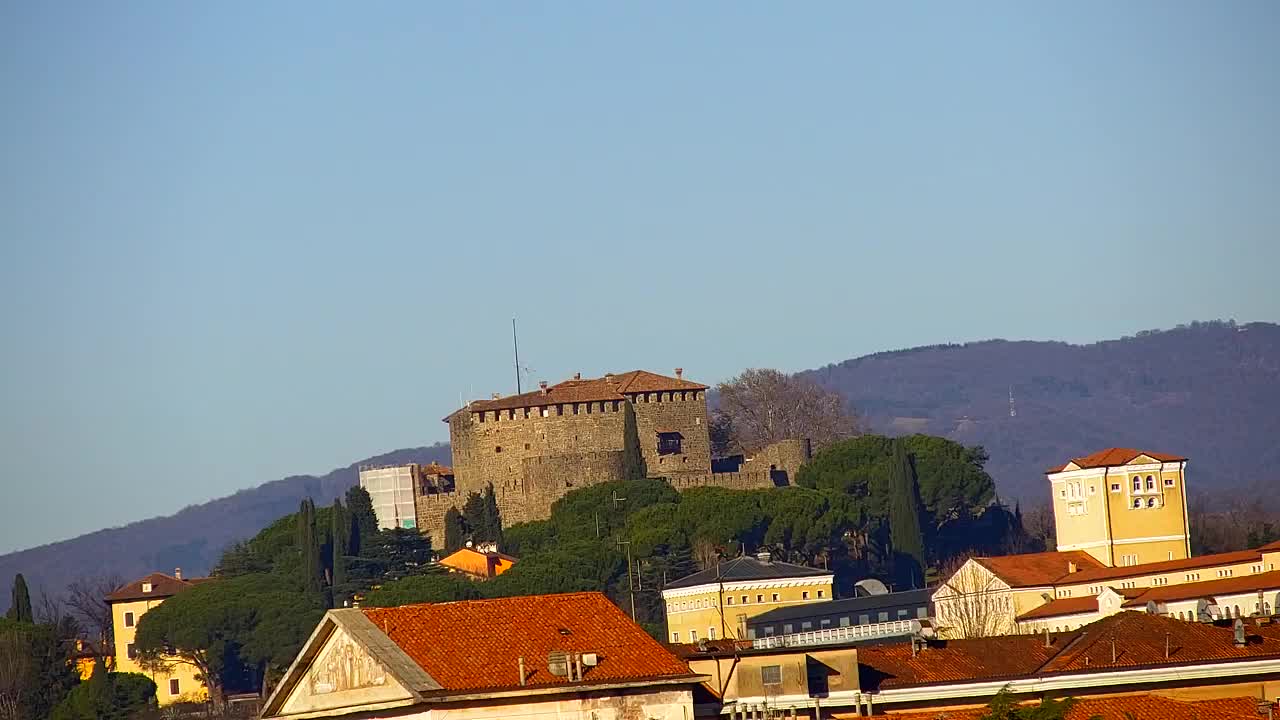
x: 764, y: 406
x: 16, y: 671
x: 1040, y: 527
x: 87, y: 600
x: 973, y: 602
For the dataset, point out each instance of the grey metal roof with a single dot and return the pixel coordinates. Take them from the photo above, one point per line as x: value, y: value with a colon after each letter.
x: 848, y: 605
x: 746, y: 568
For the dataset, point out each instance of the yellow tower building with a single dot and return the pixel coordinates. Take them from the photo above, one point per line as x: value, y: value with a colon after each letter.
x: 128, y: 605
x: 1122, y: 506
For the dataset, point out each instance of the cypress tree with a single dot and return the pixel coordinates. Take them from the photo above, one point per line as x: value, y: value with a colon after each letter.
x: 454, y: 530
x: 905, y: 536
x: 340, y: 527
x: 309, y: 548
x: 360, y: 505
x: 491, y: 518
x: 20, y: 606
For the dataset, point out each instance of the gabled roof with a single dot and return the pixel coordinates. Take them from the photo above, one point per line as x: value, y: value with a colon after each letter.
x: 577, y: 390
x: 747, y: 568
x: 1062, y: 606
x: 1037, y: 569
x: 481, y: 564
x: 162, y: 586
x: 1120, y: 707
x: 1113, y: 457
x: 1267, y: 581
x: 1139, y: 643
x: 476, y: 645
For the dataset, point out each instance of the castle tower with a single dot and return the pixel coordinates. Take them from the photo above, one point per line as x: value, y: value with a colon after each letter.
x: 1122, y: 506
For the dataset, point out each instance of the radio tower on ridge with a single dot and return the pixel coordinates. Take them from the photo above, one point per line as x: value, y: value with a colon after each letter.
x: 1013, y: 412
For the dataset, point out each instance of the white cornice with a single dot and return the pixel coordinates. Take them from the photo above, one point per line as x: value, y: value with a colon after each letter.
x: 714, y: 587
x: 1161, y: 538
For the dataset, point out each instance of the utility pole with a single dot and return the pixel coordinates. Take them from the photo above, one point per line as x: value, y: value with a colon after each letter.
x: 631, y: 588
x: 515, y: 344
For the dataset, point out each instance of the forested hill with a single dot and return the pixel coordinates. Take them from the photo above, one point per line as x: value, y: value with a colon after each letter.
x: 1210, y: 391
x: 192, y: 539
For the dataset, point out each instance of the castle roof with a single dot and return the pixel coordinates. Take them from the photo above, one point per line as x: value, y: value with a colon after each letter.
x: 747, y: 568
x: 1113, y: 457
x: 581, y: 390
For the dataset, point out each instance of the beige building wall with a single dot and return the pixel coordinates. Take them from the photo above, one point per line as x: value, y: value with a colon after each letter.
x: 1066, y: 588
x: 124, y: 618
x: 1123, y: 515
x: 695, y: 613
x: 744, y: 678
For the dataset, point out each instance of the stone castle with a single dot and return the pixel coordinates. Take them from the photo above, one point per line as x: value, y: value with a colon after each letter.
x: 535, y: 447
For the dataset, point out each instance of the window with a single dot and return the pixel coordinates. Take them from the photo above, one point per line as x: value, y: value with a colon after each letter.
x: 675, y: 637
x: 744, y: 599
x: 728, y: 600
x: 711, y: 633
x: 806, y: 625
x: 771, y: 675
x: 775, y: 597
x: 497, y: 448
x: 146, y: 587
x: 804, y: 595
x: 669, y: 443
x: 1137, y: 502
x: 1115, y: 487
x: 1151, y: 483
x: 1093, y: 489
x: 128, y: 619
x: 1193, y: 576
x: 824, y: 623
x: 1137, y: 484
x: 787, y: 628
x: 903, y: 614
x: 864, y: 619
x: 1225, y: 573
x: 844, y: 621
x: 882, y: 616
x: 1256, y: 569
x: 173, y: 687
x: 131, y: 651
x: 820, y: 592
x: 1063, y: 492
x: 1151, y: 502
x: 1168, y: 482
x: 693, y: 636
x: 922, y: 612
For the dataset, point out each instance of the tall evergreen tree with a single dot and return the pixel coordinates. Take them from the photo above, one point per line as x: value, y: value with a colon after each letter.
x: 360, y: 505
x: 490, y: 520
x: 455, y: 530
x: 474, y: 518
x: 309, y: 548
x: 340, y: 527
x: 905, y: 536
x: 20, y: 605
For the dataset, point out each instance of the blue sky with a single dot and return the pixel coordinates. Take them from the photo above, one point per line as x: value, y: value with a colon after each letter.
x: 245, y: 240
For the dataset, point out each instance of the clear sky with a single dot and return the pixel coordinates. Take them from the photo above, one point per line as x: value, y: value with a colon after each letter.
x: 245, y: 240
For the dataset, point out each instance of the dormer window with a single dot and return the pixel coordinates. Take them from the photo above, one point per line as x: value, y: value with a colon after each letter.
x: 669, y: 443
x: 146, y: 587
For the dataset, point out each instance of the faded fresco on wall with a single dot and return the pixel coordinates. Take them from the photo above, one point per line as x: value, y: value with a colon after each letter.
x: 344, y: 665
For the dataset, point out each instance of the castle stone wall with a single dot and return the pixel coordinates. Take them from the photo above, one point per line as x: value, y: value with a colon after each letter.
x: 682, y: 411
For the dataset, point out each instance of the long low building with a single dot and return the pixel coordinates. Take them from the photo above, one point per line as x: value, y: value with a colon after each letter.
x: 864, y: 610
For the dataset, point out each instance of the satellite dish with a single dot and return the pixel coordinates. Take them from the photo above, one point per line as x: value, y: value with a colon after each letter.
x: 870, y: 586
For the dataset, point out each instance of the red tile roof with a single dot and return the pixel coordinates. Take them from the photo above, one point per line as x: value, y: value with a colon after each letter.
x: 1121, y: 707
x: 1224, y: 586
x: 1112, y: 457
x: 475, y: 645
x: 1037, y: 569
x: 162, y: 586
x: 1139, y: 642
x: 610, y: 387
x: 1062, y: 606
x: 435, y: 468
x: 1191, y: 563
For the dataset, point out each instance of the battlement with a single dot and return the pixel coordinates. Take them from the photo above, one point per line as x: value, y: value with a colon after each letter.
x: 747, y: 480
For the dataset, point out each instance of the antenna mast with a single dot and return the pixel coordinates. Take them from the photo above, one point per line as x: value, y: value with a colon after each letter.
x: 515, y: 344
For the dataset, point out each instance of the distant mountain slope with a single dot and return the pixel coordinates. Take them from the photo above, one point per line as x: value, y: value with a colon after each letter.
x: 193, y: 538
x: 1210, y: 391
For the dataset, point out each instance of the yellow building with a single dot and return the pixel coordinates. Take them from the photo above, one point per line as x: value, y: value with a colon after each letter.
x: 716, y: 602
x: 128, y: 605
x: 1122, y: 506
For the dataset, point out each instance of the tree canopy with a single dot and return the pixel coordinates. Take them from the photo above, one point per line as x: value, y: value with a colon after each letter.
x: 763, y: 406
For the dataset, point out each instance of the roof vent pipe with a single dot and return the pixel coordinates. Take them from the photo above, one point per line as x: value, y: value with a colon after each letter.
x: 679, y: 373
x: 542, y: 384
x: 522, y: 675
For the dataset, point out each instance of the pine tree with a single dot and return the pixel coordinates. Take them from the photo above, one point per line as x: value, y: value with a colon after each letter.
x: 309, y: 548
x: 20, y: 606
x: 360, y: 505
x: 905, y: 536
x: 491, y: 519
x: 340, y: 527
x: 455, y: 530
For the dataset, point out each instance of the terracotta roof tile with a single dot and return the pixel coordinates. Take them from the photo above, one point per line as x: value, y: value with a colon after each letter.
x: 1036, y: 569
x: 610, y: 387
x: 475, y: 645
x: 1122, y: 707
x: 162, y: 586
x: 1112, y: 457
x: 1224, y: 586
x: 1008, y: 656
x: 1191, y: 563
x: 480, y: 564
x: 1062, y: 606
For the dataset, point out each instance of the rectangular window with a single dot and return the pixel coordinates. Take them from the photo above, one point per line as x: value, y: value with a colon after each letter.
x: 771, y: 675
x: 759, y: 598
x: 820, y: 592
x: 844, y: 622
x: 669, y: 443
x: 902, y: 614
x: 675, y: 637
x: 864, y: 619
x: 806, y: 625
x: 693, y: 636
x: 128, y: 619
x: 768, y: 631
x: 775, y: 597
x: 711, y: 633
x: 922, y: 612
x: 1168, y: 482
x: 173, y: 687
x: 728, y: 600
x: 804, y: 595
x: 1115, y: 487
x: 744, y: 599
x: 882, y: 616
x: 824, y: 623
x: 787, y: 628
x: 131, y: 651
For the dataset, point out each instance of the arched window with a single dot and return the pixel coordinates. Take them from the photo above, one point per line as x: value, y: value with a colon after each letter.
x: 1137, y: 484
x: 1137, y: 502
x: 1151, y: 483
x: 1151, y: 502
x: 1237, y: 611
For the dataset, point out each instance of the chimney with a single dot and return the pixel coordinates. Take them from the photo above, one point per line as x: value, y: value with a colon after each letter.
x: 764, y: 556
x: 577, y: 376
x: 542, y: 384
x: 497, y: 395
x: 1071, y: 568
x: 1238, y: 631
x: 177, y: 572
x: 608, y: 377
x: 679, y: 373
